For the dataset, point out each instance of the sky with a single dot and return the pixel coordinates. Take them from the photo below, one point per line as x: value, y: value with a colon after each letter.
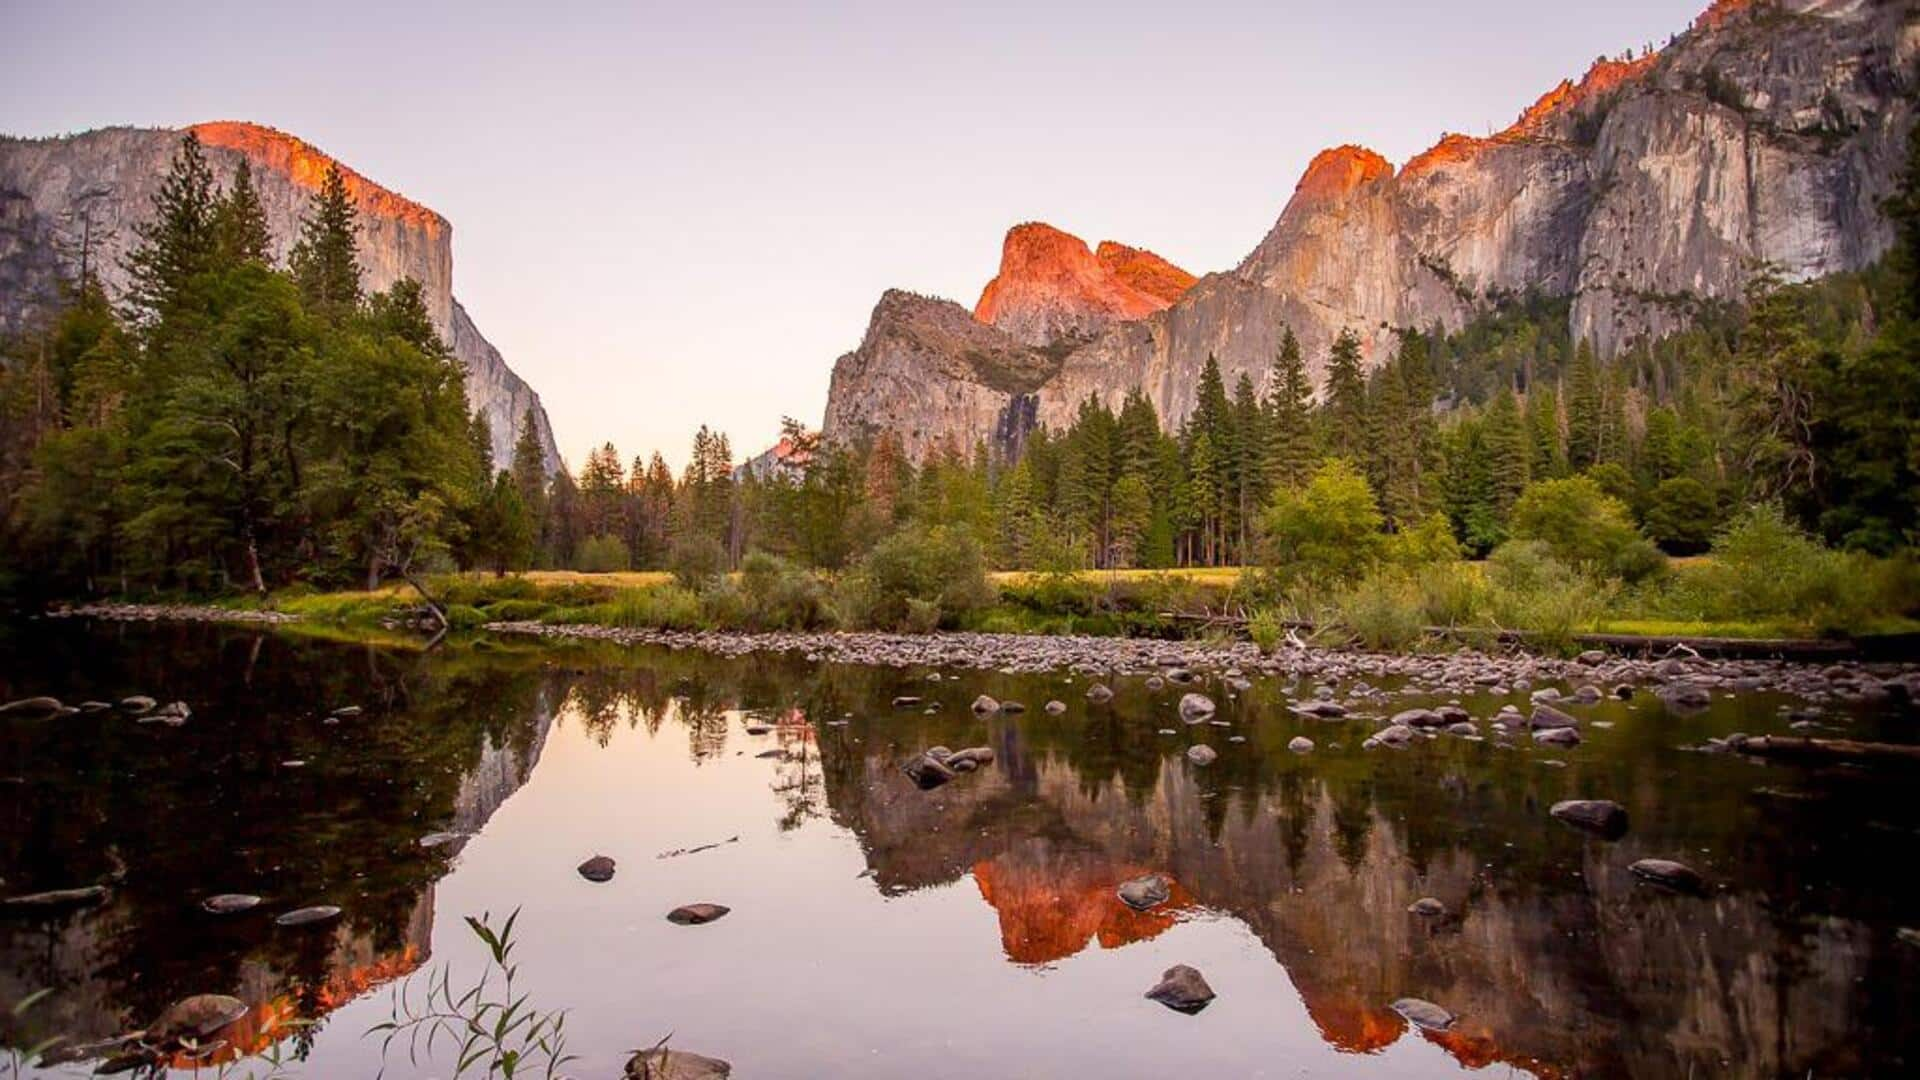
x: 674, y: 214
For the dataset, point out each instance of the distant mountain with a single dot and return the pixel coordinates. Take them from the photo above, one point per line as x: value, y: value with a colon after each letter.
x: 1767, y: 133
x: 108, y: 177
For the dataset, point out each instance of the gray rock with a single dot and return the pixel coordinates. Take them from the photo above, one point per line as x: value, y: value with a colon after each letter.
x: 1145, y: 893
x: 1012, y: 708
x: 307, y: 916
x: 1394, y: 735
x: 32, y: 706
x: 1099, y: 693
x: 1424, y: 1014
x: 1669, y: 874
x: 927, y: 771
x: 1155, y: 682
x: 1196, y: 707
x: 194, y: 1018
x: 1546, y: 716
x: 1300, y: 744
x: 53, y: 900
x: 663, y: 1064
x: 1202, y: 754
x: 598, y: 869
x: 1600, y: 816
x: 1056, y: 707
x: 138, y: 703
x: 983, y: 705
x: 1421, y: 718
x: 696, y: 914
x: 1427, y: 907
x: 1685, y: 696
x: 1182, y: 989
x: 1556, y: 736
x: 229, y: 903
x: 972, y: 756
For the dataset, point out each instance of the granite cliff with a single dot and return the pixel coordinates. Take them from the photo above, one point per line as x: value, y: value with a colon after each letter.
x: 1766, y: 133
x: 106, y: 179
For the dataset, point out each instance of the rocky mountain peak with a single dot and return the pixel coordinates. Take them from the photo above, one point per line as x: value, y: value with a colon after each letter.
x: 1338, y: 171
x: 306, y: 166
x: 1051, y: 286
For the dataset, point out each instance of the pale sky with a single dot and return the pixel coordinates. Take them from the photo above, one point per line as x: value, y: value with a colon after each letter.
x: 673, y: 214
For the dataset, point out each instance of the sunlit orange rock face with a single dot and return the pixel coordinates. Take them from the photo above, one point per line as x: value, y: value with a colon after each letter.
x: 1338, y: 171
x: 1050, y: 286
x: 1540, y: 120
x: 1050, y: 909
x: 307, y: 166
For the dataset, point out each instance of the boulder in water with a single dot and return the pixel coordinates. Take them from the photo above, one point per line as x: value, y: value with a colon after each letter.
x: 1600, y: 816
x: 1099, y: 693
x: 983, y: 705
x: 1670, y: 875
x: 598, y: 869
x: 1196, y: 707
x: 229, y: 903
x: 1202, y: 754
x: 1424, y: 1014
x: 663, y: 1064
x: 32, y: 706
x: 1145, y: 893
x: 1182, y: 989
x: 307, y: 916
x: 195, y: 1018
x: 696, y: 914
x: 54, y: 900
x: 1300, y: 744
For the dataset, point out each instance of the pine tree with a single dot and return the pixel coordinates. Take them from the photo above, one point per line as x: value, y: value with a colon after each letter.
x: 325, y: 260
x: 240, y: 223
x: 529, y: 470
x: 176, y: 244
x: 1547, y: 456
x: 1505, y: 439
x: 1249, y: 465
x: 1585, y: 410
x: 1344, y: 415
x: 1289, y: 416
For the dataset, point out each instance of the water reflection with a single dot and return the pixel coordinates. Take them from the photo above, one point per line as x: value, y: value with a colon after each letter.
x: 1554, y: 959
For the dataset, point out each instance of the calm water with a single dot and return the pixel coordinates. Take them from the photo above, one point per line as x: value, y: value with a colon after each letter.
x: 878, y: 930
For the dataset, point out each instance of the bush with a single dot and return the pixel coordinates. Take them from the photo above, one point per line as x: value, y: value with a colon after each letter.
x: 917, y: 579
x: 782, y: 596
x: 1764, y: 565
x: 1429, y: 541
x: 1267, y: 628
x: 1382, y: 612
x: 697, y: 562
x: 464, y: 617
x: 1326, y: 533
x: 1583, y: 527
x: 1451, y: 593
x: 1532, y: 590
x: 600, y: 555
x: 664, y: 607
x: 517, y: 610
x: 1681, y: 514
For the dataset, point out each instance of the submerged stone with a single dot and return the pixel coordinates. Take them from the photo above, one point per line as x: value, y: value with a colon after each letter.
x: 33, y: 706
x: 1427, y: 907
x: 229, y: 903
x: 1668, y: 874
x: 195, y: 1018
x: 661, y: 1063
x: 1202, y: 754
x: 54, y: 900
x: 1195, y: 708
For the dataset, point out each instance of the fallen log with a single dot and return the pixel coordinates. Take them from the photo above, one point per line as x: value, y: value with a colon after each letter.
x: 1826, y: 749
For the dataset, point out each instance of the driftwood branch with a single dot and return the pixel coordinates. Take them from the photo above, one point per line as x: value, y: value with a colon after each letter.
x: 1792, y: 746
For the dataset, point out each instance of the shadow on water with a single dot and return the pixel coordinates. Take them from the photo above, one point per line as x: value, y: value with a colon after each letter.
x: 1554, y: 959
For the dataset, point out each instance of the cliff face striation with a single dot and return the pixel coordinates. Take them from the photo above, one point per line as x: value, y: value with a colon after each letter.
x: 104, y: 180
x: 1767, y: 133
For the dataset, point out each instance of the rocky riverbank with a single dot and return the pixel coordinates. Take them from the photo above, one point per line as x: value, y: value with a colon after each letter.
x: 170, y: 613
x: 1681, y: 680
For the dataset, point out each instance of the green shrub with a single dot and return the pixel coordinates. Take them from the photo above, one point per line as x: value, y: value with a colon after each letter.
x: 1382, y: 612
x: 601, y: 555
x: 464, y: 617
x: 1428, y: 541
x: 1267, y: 628
x: 697, y: 561
x: 1583, y: 527
x: 1681, y: 514
x: 941, y: 567
x: 1532, y: 590
x: 517, y: 610
x: 782, y: 596
x: 663, y: 607
x: 1327, y: 533
x: 1451, y: 593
